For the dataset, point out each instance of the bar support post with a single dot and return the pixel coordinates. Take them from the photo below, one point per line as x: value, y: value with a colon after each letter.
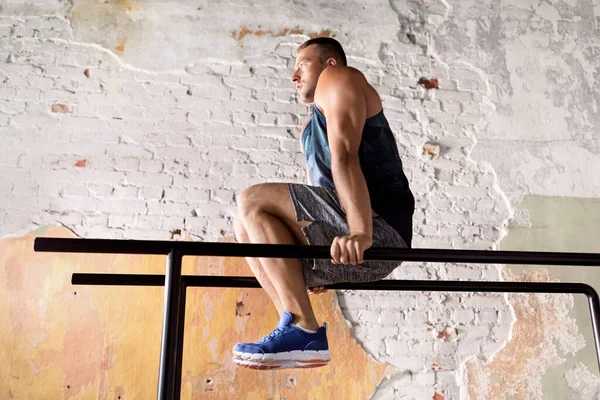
x: 594, y: 302
x: 180, y: 334
x: 169, y: 348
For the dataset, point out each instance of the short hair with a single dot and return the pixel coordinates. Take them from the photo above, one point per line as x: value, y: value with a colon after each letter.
x: 328, y: 48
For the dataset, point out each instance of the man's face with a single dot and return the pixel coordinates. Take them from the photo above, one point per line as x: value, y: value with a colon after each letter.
x: 306, y: 73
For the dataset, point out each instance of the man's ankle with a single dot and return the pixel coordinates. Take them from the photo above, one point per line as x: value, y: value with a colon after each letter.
x: 304, y: 323
x: 307, y: 326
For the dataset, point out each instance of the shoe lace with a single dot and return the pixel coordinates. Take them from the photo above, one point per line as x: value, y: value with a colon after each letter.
x: 271, y: 335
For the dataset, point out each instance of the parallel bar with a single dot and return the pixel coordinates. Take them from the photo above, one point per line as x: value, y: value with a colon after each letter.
x: 390, y: 285
x: 169, y: 382
x: 393, y: 285
x: 70, y: 245
x: 167, y: 385
x: 117, y: 280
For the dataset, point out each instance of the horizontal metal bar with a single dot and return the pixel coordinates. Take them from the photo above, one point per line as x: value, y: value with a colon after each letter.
x: 117, y: 279
x: 398, y: 285
x: 390, y: 285
x: 68, y: 245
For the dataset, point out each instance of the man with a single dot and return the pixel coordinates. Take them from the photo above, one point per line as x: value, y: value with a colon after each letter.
x: 360, y: 198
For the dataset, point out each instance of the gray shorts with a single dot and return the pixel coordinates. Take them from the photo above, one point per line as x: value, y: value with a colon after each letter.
x: 322, y: 207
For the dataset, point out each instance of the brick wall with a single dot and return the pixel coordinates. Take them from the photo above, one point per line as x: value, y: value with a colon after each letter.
x: 112, y: 151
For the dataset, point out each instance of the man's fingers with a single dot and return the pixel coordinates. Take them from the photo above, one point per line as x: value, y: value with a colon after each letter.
x: 347, y: 250
x: 338, y: 250
x: 335, y: 251
x: 359, y: 253
x: 351, y: 249
x: 343, y: 250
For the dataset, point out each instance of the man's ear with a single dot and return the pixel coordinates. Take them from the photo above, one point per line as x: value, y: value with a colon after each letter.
x: 331, y: 61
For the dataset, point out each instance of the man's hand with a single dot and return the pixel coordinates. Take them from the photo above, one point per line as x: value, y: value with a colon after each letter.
x: 350, y: 249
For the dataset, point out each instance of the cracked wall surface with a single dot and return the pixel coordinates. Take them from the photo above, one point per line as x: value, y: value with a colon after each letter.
x: 66, y: 341
x: 142, y: 120
x: 541, y: 57
x: 557, y: 224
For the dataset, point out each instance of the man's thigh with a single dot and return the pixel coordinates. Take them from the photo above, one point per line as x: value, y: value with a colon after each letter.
x: 274, y: 199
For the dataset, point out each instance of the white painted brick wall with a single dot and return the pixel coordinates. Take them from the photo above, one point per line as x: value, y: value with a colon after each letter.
x: 133, y: 154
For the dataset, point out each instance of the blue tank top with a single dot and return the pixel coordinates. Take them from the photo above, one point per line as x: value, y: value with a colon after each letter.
x: 381, y: 165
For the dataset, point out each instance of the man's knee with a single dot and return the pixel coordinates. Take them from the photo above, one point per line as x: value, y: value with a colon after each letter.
x: 250, y: 206
x: 250, y: 201
x: 241, y: 236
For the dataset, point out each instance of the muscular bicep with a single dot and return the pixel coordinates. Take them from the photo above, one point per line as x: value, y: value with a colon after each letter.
x: 345, y: 110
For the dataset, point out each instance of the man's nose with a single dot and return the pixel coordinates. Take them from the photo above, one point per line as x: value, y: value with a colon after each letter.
x: 294, y: 77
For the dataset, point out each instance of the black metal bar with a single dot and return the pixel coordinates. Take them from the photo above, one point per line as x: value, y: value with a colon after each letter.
x: 78, y: 278
x: 594, y: 302
x: 117, y: 280
x: 169, y: 383
x: 169, y: 347
x: 180, y: 333
x: 314, y: 252
x: 389, y: 285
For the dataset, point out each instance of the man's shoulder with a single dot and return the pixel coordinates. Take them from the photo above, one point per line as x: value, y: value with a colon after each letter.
x: 342, y: 75
x: 339, y: 81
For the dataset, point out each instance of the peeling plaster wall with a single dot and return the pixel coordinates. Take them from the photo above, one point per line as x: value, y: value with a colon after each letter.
x: 541, y: 58
x: 103, y: 342
x: 142, y: 119
x: 559, y: 224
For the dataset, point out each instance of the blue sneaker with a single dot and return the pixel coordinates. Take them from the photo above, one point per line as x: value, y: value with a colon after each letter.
x: 287, y: 346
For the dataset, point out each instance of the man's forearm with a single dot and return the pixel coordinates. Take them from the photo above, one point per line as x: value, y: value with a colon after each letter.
x: 353, y: 193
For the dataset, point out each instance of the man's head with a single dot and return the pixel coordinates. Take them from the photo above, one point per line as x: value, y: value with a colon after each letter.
x: 312, y: 57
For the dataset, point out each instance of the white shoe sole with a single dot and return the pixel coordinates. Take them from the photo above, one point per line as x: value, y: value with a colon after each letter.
x: 291, y: 359
x: 296, y: 355
x: 278, y: 364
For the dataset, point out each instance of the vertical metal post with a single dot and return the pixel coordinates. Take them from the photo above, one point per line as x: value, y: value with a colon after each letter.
x: 594, y: 302
x: 179, y: 351
x: 170, y: 333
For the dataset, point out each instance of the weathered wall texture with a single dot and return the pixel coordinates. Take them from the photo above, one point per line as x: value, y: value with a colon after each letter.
x: 559, y: 224
x: 64, y: 341
x: 142, y: 119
